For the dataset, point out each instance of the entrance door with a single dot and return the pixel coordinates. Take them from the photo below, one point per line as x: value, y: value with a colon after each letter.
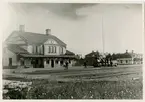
x: 37, y: 63
x: 52, y: 63
x: 10, y: 61
x: 41, y: 63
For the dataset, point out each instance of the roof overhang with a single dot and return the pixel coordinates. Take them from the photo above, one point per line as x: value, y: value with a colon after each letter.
x: 124, y: 58
x: 47, y: 56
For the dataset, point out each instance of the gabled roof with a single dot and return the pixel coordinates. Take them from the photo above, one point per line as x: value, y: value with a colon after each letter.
x: 36, y: 38
x: 16, y: 49
x: 125, y: 55
x: 69, y: 53
x: 92, y: 54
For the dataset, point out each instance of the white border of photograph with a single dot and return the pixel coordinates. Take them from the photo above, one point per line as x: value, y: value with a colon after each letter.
x: 3, y: 14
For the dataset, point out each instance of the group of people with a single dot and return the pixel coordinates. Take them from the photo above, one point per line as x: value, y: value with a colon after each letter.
x: 102, y: 62
x: 96, y: 62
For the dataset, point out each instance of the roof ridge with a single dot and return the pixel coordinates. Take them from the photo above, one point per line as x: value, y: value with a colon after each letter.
x: 38, y: 34
x: 31, y: 32
x: 28, y: 36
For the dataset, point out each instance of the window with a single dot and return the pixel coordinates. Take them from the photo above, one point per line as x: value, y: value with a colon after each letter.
x: 49, y: 49
x: 33, y: 49
x: 36, y: 49
x: 120, y: 61
x: 54, y: 49
x: 41, y: 49
x: 61, y: 50
x: 10, y: 61
x: 126, y: 61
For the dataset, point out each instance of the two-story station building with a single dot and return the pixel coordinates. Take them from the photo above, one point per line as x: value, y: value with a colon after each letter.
x: 35, y: 50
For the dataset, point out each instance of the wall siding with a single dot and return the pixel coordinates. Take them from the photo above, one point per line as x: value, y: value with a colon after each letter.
x: 8, y: 54
x: 30, y: 48
x: 64, y: 50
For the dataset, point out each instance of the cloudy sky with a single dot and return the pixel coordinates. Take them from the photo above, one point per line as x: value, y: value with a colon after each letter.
x: 80, y: 25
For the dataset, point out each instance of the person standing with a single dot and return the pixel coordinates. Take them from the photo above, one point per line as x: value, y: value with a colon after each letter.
x: 52, y: 63
x: 85, y: 64
x: 111, y: 63
x: 66, y: 65
x: 22, y: 62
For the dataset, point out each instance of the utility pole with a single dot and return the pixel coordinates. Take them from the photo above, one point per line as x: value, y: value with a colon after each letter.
x: 103, y: 40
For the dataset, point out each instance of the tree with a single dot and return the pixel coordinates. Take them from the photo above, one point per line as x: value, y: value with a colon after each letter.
x: 97, y: 54
x: 114, y: 56
x: 108, y: 56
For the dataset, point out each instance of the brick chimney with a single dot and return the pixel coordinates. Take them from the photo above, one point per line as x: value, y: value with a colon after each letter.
x: 48, y: 31
x: 22, y: 28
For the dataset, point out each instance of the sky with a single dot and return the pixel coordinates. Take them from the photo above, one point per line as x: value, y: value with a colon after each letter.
x: 81, y: 26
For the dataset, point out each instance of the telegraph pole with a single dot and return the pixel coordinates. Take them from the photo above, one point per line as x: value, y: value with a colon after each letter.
x: 103, y: 40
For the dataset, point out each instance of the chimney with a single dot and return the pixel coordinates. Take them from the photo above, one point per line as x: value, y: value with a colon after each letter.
x: 132, y: 51
x: 22, y: 28
x: 48, y: 31
x: 126, y: 51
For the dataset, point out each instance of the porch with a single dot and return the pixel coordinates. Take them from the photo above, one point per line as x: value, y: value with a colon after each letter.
x: 47, y: 61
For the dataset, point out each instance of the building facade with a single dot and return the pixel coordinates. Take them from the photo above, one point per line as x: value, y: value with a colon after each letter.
x: 125, y: 61
x: 126, y: 58
x: 130, y: 58
x: 36, y: 50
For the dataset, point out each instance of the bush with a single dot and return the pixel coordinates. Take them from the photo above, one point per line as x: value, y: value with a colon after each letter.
x: 16, y: 93
x: 16, y: 90
x: 80, y: 90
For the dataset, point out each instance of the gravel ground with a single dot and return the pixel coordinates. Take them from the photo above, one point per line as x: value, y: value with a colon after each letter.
x: 90, y: 73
